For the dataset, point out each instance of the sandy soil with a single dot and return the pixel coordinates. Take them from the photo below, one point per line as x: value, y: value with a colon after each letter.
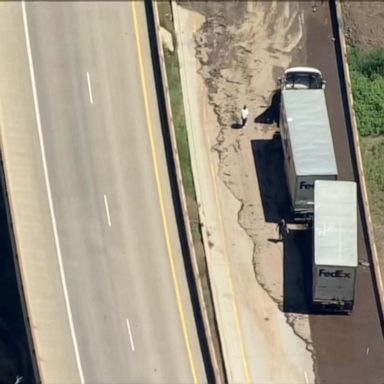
x: 240, y: 60
x: 241, y: 48
x: 364, y: 23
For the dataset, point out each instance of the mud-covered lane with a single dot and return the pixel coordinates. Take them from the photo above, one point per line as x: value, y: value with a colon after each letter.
x: 240, y: 49
x: 348, y: 349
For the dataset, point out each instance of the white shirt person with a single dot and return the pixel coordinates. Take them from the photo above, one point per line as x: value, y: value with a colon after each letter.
x: 244, y: 116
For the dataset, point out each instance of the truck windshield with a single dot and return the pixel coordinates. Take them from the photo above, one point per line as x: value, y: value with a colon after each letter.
x: 303, y: 80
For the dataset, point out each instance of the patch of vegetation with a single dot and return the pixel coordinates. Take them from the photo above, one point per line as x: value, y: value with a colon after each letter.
x: 373, y: 157
x: 177, y: 105
x: 367, y: 76
x: 373, y: 154
x: 165, y: 15
x: 176, y: 96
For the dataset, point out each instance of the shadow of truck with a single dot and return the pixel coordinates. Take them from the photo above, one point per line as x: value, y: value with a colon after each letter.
x: 269, y: 164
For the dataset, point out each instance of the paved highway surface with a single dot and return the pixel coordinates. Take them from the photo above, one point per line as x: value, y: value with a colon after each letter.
x: 348, y: 349
x: 116, y: 239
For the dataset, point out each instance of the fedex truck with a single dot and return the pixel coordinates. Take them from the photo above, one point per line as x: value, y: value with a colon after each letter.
x: 306, y: 137
x: 335, y: 257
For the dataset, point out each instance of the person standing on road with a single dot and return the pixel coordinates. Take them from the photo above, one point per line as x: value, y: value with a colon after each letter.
x: 244, y: 116
x: 283, y: 230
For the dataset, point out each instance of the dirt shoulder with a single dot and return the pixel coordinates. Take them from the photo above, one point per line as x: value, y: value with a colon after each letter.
x: 364, y: 23
x: 241, y: 48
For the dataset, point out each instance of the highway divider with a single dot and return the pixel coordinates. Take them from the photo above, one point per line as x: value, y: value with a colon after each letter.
x: 151, y: 9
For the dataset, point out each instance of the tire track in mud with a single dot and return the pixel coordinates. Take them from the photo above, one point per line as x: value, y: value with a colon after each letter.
x: 241, y: 49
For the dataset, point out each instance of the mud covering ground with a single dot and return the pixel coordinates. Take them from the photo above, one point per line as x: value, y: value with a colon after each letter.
x: 364, y: 23
x: 241, y: 53
x: 242, y: 47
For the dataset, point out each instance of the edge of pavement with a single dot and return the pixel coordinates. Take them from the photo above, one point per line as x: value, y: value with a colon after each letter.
x: 214, y: 359
x: 360, y: 167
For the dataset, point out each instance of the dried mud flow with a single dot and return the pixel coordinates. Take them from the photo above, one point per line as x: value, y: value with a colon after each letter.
x: 242, y: 47
x: 363, y: 23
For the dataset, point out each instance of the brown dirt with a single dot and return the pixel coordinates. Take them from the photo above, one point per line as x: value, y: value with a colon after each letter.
x: 242, y: 47
x: 364, y: 23
x: 239, y: 63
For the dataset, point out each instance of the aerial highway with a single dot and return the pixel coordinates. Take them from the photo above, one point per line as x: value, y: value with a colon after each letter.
x: 96, y: 235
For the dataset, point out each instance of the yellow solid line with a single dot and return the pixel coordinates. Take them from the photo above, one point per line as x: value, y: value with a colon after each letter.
x: 161, y: 201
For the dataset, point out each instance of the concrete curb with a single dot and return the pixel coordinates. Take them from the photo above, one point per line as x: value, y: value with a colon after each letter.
x: 203, y: 308
x: 355, y: 133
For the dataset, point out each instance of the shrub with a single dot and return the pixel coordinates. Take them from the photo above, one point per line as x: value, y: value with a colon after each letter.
x: 369, y: 64
x: 367, y: 76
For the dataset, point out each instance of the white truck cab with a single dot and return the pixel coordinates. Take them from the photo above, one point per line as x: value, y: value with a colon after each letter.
x: 302, y: 78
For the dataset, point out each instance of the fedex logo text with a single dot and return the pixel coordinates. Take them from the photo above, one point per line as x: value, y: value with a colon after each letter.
x: 305, y: 185
x: 337, y: 273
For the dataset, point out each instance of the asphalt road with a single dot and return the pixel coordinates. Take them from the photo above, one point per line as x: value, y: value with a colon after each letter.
x: 348, y: 349
x: 124, y: 277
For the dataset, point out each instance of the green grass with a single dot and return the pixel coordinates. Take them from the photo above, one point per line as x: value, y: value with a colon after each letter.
x: 176, y: 96
x: 165, y: 15
x: 367, y: 76
x: 373, y: 155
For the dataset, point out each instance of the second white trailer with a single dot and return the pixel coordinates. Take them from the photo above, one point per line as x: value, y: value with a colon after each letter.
x: 335, y: 256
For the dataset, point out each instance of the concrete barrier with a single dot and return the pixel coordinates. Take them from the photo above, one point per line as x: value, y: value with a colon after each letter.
x: 208, y: 332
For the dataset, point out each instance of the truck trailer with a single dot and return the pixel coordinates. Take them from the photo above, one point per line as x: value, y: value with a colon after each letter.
x: 306, y: 137
x: 335, y: 257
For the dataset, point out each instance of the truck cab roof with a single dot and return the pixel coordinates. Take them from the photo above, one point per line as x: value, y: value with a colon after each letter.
x: 302, y: 78
x: 302, y: 69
